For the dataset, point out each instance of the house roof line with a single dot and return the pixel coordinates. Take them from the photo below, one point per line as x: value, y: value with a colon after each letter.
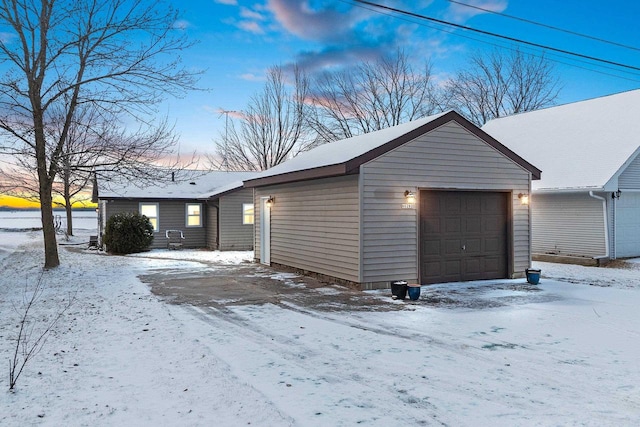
x: 352, y: 166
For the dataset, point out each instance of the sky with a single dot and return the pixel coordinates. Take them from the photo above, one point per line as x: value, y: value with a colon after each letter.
x: 237, y: 41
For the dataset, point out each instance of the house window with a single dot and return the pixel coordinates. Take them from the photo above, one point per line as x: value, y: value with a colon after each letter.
x: 194, y: 215
x: 150, y: 210
x: 247, y: 213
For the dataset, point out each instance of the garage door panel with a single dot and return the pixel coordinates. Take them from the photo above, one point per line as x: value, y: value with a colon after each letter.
x: 431, y: 248
x: 471, y: 228
x: 452, y: 267
x: 493, y: 246
x: 493, y: 264
x: 452, y: 247
x: 451, y: 206
x: 472, y: 205
x: 452, y: 225
x: 472, y: 224
x: 473, y: 247
x: 492, y: 223
x: 472, y: 266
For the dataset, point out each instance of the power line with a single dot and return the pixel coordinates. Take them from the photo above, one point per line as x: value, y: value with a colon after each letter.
x: 501, y: 36
x: 549, y: 56
x: 551, y: 27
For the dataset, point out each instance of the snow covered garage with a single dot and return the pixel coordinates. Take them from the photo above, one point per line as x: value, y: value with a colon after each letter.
x: 433, y: 200
x: 586, y: 207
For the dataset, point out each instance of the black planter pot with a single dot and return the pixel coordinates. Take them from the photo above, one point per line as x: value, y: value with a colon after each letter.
x: 399, y: 289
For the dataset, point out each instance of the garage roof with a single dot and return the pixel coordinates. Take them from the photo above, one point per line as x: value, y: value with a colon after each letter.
x: 581, y: 146
x: 345, y: 156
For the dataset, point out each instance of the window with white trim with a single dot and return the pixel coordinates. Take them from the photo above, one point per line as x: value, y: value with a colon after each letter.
x: 150, y: 210
x: 194, y: 215
x: 247, y: 213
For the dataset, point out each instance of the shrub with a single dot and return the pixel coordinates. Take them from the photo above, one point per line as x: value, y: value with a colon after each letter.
x: 128, y: 233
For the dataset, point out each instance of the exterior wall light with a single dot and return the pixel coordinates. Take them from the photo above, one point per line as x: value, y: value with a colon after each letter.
x: 270, y: 201
x: 410, y: 196
x: 524, y: 198
x: 616, y: 194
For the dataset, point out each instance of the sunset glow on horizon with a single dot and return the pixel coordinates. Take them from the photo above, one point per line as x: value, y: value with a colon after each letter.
x: 18, y: 203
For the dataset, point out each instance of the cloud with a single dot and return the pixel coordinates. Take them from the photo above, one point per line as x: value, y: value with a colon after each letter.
x: 299, y: 19
x: 252, y: 14
x: 250, y: 26
x: 252, y: 77
x: 229, y: 2
x: 460, y: 13
x: 347, y: 34
x: 181, y: 24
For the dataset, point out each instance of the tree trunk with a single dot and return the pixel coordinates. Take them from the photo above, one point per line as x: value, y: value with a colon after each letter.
x: 51, y: 259
x: 68, y: 203
x: 67, y: 208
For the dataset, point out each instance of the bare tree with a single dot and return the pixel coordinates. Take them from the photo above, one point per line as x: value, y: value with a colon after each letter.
x: 96, y: 147
x: 272, y: 128
x: 372, y: 96
x: 119, y: 56
x: 501, y: 84
x: 33, y: 329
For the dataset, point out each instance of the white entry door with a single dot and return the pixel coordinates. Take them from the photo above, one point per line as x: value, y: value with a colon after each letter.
x: 265, y: 232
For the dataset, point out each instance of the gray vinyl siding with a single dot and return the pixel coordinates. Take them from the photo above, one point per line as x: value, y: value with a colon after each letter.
x: 630, y: 178
x: 569, y: 224
x: 171, y: 216
x: 315, y: 226
x: 627, y: 225
x: 212, y: 224
x: 446, y: 158
x: 234, y: 235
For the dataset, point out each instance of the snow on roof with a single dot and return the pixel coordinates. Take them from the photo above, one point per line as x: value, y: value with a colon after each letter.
x: 201, y: 185
x: 578, y: 146
x: 338, y: 152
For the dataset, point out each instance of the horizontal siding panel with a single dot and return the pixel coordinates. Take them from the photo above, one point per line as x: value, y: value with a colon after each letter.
x: 342, y: 261
x: 567, y: 224
x: 321, y: 245
x: 315, y: 226
x: 234, y: 235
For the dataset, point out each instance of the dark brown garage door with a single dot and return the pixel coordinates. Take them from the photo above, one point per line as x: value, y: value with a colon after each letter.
x: 463, y: 236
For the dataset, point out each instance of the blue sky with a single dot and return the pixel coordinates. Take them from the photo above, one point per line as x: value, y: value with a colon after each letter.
x: 239, y: 40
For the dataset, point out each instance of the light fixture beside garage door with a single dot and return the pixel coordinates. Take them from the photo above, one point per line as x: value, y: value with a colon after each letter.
x: 524, y: 198
x: 410, y: 197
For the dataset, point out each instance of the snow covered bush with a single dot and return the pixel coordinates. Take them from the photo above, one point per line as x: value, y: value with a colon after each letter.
x: 128, y: 233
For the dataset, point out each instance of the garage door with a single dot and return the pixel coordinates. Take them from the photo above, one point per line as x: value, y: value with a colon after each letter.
x: 463, y: 236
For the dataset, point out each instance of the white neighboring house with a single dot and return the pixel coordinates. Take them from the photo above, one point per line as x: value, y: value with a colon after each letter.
x: 587, y: 204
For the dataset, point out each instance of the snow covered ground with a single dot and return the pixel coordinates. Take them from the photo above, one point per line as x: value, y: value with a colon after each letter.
x: 564, y: 355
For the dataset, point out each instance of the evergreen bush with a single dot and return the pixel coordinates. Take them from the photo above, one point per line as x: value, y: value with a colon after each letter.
x: 128, y: 233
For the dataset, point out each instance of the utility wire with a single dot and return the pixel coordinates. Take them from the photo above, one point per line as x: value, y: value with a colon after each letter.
x: 488, y: 33
x: 551, y: 27
x: 551, y: 56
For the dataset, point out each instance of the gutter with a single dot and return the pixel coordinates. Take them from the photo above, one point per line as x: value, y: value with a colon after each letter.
x: 606, y: 224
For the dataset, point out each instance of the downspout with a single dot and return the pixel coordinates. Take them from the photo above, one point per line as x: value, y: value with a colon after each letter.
x: 606, y: 224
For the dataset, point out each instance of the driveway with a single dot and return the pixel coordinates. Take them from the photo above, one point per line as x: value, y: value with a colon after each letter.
x: 250, y: 284
x: 498, y: 353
